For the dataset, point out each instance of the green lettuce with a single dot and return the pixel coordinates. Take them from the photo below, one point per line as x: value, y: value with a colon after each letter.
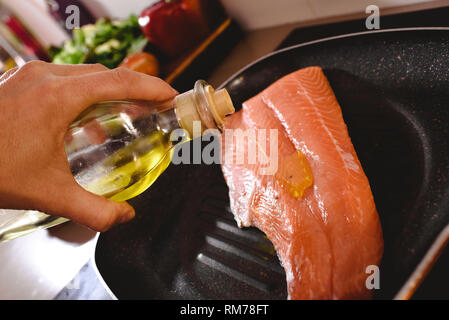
x: 107, y: 42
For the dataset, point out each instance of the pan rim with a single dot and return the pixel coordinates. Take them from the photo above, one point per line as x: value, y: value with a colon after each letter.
x: 308, y: 43
x: 441, y: 241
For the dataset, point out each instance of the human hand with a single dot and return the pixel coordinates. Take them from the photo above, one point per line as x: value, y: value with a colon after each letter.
x: 38, y: 102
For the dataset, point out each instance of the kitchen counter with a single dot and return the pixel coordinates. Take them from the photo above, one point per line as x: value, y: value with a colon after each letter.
x: 47, y: 263
x: 41, y: 264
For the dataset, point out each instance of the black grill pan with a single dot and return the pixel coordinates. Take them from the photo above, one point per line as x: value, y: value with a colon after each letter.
x: 393, y: 87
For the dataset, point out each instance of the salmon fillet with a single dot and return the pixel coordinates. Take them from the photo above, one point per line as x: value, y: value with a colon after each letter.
x: 327, y: 236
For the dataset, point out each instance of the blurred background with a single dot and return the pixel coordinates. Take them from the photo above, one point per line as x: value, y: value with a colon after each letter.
x: 30, y: 28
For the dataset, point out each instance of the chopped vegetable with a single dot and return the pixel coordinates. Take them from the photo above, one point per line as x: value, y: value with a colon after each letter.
x: 107, y: 42
x: 142, y: 62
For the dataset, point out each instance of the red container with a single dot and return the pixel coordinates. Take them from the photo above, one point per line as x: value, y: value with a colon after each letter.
x: 175, y: 26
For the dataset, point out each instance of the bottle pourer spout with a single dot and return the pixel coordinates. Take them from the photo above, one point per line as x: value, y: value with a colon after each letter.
x: 220, y: 104
x: 205, y: 106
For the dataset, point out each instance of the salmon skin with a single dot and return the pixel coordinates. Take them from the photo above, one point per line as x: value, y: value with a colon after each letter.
x: 329, y: 237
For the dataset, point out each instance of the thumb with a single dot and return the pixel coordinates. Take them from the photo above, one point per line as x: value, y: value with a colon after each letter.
x: 79, y: 205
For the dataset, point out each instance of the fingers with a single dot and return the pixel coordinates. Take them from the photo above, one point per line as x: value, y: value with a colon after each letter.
x: 75, y: 70
x: 36, y: 70
x: 97, y: 212
x: 42, y: 67
x: 5, y: 76
x: 73, y: 202
x: 116, y: 84
x: 79, y: 86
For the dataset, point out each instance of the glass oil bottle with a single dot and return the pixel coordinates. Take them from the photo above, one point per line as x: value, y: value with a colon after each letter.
x: 117, y: 149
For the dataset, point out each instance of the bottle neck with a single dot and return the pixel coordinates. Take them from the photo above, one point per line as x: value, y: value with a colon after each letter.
x: 167, y: 121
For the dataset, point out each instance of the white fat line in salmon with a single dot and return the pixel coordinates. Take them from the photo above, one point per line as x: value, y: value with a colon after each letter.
x: 241, y: 147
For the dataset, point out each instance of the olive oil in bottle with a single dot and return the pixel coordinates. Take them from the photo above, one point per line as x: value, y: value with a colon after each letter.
x: 131, y: 154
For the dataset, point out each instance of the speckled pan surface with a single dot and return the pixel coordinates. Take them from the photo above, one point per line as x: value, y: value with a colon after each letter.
x: 393, y: 87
